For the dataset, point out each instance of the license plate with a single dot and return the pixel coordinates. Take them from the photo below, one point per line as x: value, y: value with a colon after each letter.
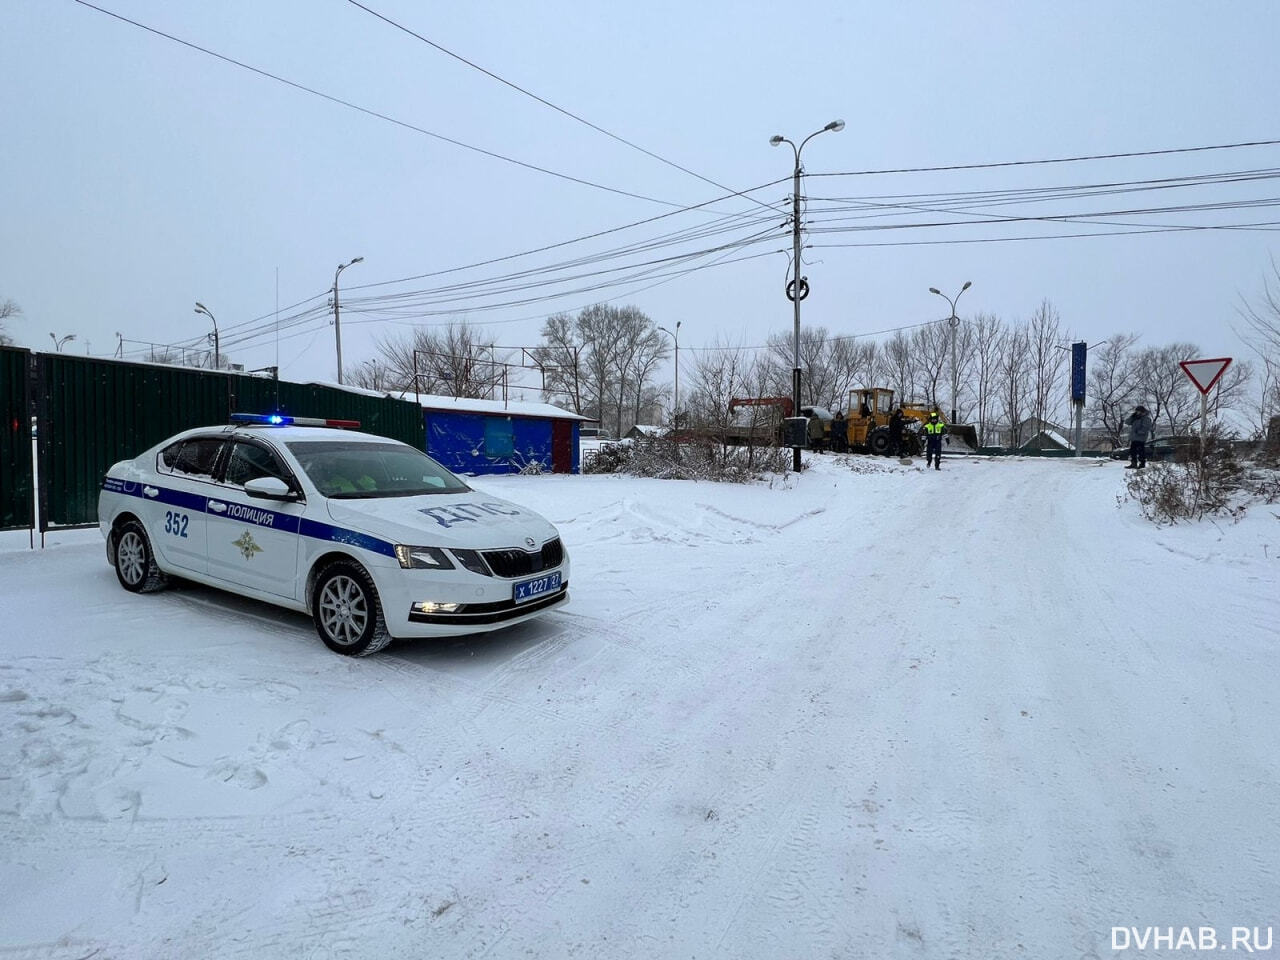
x: 529, y: 589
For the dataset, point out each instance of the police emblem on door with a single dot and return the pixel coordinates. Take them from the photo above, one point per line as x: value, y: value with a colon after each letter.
x: 246, y: 545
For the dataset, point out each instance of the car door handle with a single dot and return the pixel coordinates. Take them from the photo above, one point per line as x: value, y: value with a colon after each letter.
x: 217, y: 506
x: 150, y: 491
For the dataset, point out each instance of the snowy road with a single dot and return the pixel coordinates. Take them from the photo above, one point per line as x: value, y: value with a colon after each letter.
x: 976, y: 714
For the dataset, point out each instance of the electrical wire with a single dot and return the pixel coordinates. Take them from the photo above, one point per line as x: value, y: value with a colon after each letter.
x: 534, y: 96
x: 374, y: 113
x: 1079, y: 159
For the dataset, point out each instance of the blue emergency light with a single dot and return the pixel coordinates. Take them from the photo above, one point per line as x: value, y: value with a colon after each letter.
x: 279, y: 420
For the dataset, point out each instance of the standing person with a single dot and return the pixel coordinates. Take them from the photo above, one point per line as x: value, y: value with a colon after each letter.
x: 1140, y: 429
x: 815, y: 433
x: 895, y: 432
x: 839, y: 433
x: 933, y: 431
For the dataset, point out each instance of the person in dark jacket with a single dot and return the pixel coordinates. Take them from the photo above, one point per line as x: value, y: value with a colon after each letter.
x: 895, y: 432
x: 1140, y: 429
x: 934, y: 428
x: 839, y: 433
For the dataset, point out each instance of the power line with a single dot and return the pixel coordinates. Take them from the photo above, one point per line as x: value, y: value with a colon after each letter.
x: 374, y: 113
x: 534, y: 96
x: 1028, y: 163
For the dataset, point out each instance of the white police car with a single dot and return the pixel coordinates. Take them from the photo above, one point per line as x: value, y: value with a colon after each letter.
x: 372, y: 537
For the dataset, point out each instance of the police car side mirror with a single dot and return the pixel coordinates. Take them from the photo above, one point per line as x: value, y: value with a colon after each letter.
x: 269, y: 488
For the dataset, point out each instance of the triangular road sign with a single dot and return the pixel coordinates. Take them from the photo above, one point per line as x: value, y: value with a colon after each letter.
x: 1205, y: 373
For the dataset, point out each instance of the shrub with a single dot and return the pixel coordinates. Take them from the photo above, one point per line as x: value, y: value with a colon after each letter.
x: 664, y: 459
x: 1195, y: 486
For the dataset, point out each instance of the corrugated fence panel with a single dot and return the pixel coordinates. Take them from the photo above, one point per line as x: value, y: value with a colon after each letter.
x: 15, y: 439
x: 94, y: 413
x: 97, y: 412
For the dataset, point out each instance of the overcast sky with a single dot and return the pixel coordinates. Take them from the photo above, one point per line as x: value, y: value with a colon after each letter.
x: 141, y: 175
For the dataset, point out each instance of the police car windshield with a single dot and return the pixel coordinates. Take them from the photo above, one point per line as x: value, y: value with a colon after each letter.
x: 353, y: 471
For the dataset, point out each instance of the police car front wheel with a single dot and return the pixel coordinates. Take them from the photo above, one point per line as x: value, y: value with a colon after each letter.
x: 347, y: 612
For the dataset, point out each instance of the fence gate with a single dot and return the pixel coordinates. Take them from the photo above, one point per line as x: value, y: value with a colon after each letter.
x: 15, y: 439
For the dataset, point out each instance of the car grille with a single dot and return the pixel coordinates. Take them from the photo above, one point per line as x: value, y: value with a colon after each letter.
x: 520, y: 563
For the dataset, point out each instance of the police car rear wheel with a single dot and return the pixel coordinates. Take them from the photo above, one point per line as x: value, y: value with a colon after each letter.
x: 347, y: 613
x: 135, y: 563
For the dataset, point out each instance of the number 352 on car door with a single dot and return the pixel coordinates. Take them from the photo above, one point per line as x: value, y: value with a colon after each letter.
x: 175, y: 523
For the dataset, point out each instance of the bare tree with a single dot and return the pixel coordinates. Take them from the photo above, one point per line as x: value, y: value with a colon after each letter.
x: 596, y: 330
x: 375, y: 375
x: 1173, y: 401
x: 8, y: 309
x: 1048, y: 361
x: 1262, y: 319
x: 632, y: 330
x: 1013, y: 372
x: 452, y: 362
x: 899, y: 365
x: 1112, y: 385
x: 932, y: 347
x: 720, y: 373
x: 988, y: 336
x: 560, y: 358
x: 651, y: 351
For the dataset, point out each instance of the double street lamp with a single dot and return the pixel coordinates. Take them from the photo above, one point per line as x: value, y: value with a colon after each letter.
x: 955, y: 324
x: 60, y: 342
x: 337, y: 326
x: 217, y: 353
x: 798, y: 288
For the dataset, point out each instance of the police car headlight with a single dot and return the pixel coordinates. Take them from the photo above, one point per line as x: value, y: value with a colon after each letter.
x: 422, y: 558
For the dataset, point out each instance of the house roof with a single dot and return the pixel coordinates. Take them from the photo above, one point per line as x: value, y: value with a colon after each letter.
x: 510, y: 408
x: 1053, y: 435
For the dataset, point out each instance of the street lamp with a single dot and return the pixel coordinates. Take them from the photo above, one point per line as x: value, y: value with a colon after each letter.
x: 217, y: 352
x: 798, y: 288
x: 60, y: 342
x: 955, y: 324
x: 675, y: 407
x: 337, y: 327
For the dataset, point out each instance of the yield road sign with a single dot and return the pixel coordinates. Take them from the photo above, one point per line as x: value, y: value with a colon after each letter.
x: 1205, y: 373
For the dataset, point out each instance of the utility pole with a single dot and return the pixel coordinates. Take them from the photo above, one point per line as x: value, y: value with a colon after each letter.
x: 337, y: 325
x: 955, y: 325
x: 798, y: 288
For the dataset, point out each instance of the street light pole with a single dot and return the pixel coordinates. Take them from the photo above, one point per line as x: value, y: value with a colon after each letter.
x: 337, y: 325
x: 798, y: 288
x: 217, y: 354
x: 955, y: 325
x: 675, y: 407
x: 60, y: 342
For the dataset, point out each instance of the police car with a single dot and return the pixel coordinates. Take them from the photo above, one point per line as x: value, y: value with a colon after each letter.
x: 373, y: 538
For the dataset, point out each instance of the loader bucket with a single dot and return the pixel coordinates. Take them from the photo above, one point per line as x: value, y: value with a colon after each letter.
x: 966, y: 433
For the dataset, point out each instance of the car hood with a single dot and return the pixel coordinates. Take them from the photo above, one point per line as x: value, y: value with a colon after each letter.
x: 469, y: 520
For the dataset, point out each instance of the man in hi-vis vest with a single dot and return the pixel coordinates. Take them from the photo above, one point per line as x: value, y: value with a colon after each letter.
x: 933, y: 430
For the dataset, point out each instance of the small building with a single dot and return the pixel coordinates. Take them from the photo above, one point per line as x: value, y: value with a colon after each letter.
x: 1047, y: 440
x: 496, y: 436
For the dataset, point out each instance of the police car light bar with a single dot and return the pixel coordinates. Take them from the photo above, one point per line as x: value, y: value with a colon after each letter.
x: 278, y: 420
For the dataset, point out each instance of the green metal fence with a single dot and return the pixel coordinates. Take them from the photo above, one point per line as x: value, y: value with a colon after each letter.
x: 15, y: 439
x: 94, y: 413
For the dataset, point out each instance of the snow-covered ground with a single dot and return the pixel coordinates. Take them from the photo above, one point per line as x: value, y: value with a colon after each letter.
x: 870, y: 712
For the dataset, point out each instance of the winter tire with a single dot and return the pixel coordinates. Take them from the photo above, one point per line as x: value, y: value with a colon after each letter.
x: 878, y: 442
x: 134, y: 561
x: 347, y: 612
